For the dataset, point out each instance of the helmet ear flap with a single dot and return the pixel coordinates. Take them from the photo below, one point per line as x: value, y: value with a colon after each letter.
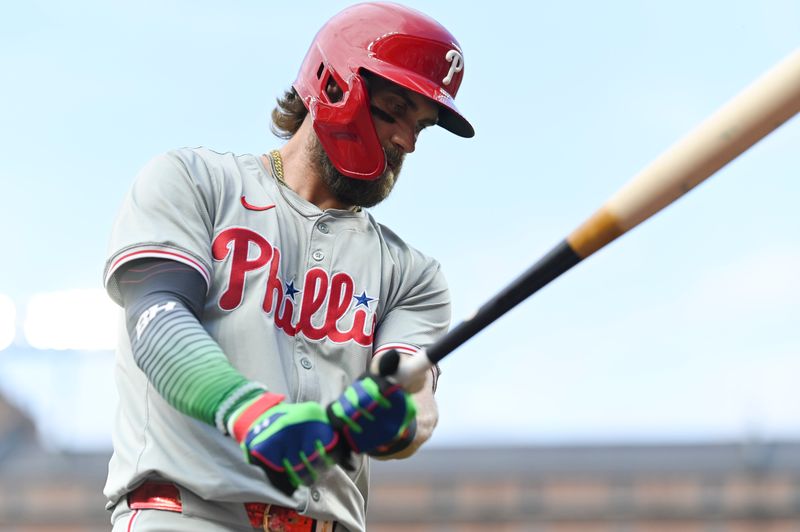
x: 346, y: 130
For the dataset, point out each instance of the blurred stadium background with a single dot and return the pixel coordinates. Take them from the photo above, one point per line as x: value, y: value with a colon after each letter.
x: 51, y: 482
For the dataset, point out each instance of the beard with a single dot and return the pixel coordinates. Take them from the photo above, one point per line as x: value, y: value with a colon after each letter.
x: 357, y: 192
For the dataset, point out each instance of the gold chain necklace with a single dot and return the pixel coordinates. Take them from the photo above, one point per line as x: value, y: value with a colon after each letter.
x: 276, y: 163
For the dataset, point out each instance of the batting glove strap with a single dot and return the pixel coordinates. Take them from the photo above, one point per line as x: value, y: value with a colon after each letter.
x: 241, y: 421
x: 234, y: 401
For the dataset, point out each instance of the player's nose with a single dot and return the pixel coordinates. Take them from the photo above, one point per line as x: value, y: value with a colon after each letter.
x: 404, y: 138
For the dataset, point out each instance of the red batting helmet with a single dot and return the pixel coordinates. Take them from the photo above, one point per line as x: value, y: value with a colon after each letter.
x: 394, y: 42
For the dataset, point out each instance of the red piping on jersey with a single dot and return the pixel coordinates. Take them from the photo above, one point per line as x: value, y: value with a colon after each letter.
x: 133, y: 518
x: 407, y: 349
x: 252, y: 207
x: 157, y: 252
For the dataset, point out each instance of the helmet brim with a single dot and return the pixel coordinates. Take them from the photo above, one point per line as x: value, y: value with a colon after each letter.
x: 450, y: 118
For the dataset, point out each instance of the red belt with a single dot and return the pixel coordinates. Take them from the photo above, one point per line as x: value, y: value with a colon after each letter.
x: 269, y: 517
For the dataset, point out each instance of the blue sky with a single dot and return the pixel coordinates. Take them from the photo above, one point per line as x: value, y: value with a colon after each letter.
x: 684, y: 329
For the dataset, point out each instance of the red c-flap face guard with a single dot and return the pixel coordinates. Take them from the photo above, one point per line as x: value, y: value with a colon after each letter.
x: 347, y: 132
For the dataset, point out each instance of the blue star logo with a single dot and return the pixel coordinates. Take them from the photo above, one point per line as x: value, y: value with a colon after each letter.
x: 291, y: 290
x: 364, y: 299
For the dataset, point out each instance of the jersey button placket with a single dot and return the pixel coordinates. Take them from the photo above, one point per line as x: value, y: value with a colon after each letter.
x: 320, y: 242
x: 320, y: 245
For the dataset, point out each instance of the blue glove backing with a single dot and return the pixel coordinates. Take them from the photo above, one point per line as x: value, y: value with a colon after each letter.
x: 374, y: 416
x: 292, y: 443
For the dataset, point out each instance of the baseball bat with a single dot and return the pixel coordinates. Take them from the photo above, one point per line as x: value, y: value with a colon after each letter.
x: 738, y: 125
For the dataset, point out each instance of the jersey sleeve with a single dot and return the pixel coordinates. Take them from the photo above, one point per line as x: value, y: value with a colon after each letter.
x: 168, y: 214
x: 420, y: 312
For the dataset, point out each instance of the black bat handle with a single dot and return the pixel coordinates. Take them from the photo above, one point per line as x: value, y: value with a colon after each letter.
x: 558, y: 260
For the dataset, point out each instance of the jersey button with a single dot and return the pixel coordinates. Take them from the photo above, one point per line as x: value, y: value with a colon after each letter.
x: 323, y: 228
x: 306, y: 363
x: 315, y: 495
x: 318, y: 255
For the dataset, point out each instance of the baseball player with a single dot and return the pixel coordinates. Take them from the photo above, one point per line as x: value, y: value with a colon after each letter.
x: 259, y: 294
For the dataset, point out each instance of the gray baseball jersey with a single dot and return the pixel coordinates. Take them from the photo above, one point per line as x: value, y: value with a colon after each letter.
x: 299, y: 299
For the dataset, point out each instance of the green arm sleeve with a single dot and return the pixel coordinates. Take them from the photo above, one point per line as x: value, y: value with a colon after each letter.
x: 169, y: 344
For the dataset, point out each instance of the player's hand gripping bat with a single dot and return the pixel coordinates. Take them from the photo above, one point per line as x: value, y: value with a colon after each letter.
x: 746, y: 119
